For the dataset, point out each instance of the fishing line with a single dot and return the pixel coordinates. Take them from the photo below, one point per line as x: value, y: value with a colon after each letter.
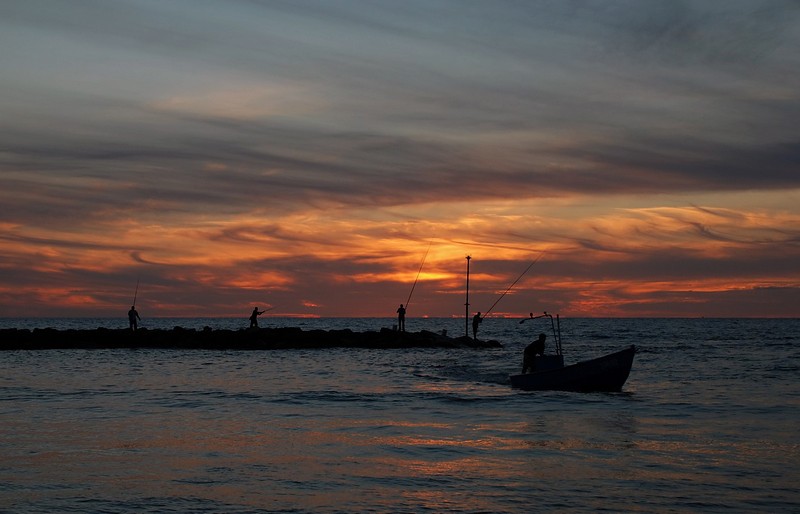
x: 513, y: 283
x: 418, y: 272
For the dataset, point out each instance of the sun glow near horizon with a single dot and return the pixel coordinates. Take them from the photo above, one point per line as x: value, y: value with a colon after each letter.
x: 310, y: 256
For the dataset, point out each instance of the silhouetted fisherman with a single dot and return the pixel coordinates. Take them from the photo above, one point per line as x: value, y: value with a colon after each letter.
x: 529, y: 354
x: 254, y: 317
x: 401, y: 318
x: 133, y: 318
x: 476, y: 320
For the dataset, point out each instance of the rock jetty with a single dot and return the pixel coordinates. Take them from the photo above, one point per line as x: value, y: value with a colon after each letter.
x: 207, y: 338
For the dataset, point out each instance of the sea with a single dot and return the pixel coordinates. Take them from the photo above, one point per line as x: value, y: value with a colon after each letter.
x: 708, y: 421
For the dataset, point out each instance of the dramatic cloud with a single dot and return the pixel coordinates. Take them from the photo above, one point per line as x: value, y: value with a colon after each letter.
x: 307, y: 154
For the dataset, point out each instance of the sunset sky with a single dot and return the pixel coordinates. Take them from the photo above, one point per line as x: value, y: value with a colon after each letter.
x: 305, y: 155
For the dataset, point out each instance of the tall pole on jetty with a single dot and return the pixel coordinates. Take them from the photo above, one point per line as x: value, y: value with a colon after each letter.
x: 466, y: 303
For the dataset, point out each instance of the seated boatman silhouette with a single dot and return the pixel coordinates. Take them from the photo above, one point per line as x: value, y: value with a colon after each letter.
x: 254, y: 317
x: 529, y: 355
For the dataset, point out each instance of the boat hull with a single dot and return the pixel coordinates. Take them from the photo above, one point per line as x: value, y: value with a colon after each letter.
x: 607, y: 373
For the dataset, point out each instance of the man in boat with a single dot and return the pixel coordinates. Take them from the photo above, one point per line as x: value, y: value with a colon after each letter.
x: 476, y: 320
x: 133, y: 318
x: 529, y: 355
x: 254, y: 317
x: 401, y: 318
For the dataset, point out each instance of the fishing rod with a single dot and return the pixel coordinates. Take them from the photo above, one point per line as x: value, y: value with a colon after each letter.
x: 418, y: 272
x: 265, y: 310
x: 136, y: 293
x: 514, y: 283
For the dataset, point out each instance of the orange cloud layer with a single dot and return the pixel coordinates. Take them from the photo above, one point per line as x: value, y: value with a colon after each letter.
x: 601, y: 263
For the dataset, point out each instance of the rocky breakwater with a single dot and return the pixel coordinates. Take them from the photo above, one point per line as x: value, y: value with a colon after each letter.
x: 251, y: 339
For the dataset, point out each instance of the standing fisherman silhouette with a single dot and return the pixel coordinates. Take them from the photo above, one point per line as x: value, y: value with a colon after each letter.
x: 254, y: 317
x: 133, y: 318
x: 401, y: 318
x: 476, y: 320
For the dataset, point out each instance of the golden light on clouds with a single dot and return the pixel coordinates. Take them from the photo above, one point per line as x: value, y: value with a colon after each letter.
x: 245, y: 101
x: 236, y: 254
x: 310, y: 161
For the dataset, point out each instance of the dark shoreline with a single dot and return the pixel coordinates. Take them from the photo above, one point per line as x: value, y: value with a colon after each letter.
x: 209, y: 339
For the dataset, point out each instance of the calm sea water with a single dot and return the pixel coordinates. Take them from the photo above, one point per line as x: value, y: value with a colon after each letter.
x: 708, y: 421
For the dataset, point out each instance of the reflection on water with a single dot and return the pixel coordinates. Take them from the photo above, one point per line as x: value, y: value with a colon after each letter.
x: 413, y: 430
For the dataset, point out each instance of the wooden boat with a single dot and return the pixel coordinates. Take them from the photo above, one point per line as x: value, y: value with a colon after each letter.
x: 607, y: 373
